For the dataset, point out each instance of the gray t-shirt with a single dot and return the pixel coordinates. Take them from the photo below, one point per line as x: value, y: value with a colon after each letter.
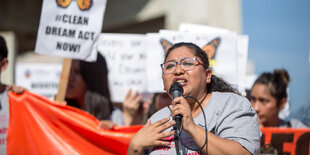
x: 228, y: 115
x: 117, y: 117
x: 4, y: 120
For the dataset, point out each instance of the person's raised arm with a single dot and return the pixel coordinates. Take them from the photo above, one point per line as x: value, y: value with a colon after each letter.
x: 130, y: 106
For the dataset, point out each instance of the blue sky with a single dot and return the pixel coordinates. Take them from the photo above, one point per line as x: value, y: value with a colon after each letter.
x: 279, y: 33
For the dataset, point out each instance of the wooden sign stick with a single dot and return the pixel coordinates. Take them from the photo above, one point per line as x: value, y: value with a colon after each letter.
x: 63, y: 82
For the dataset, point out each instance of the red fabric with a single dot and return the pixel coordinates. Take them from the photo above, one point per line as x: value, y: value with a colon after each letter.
x: 40, y: 126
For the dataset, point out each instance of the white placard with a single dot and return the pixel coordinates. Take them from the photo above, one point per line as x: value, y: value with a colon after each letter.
x: 242, y: 57
x: 126, y: 61
x: 40, y: 78
x: 224, y: 62
x: 155, y: 55
x: 195, y: 28
x: 70, y: 28
x: 241, y: 52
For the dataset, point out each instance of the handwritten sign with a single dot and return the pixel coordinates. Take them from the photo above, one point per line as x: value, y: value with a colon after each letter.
x: 236, y: 75
x: 155, y: 55
x: 126, y: 59
x: 224, y: 63
x: 40, y: 78
x: 70, y: 28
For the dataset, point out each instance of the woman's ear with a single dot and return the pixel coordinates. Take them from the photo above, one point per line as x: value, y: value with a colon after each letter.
x: 4, y: 64
x: 282, y: 103
x: 208, y: 74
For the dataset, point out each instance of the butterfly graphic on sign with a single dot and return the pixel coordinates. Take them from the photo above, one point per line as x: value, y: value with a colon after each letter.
x: 210, y: 48
x: 82, y: 4
x: 165, y: 44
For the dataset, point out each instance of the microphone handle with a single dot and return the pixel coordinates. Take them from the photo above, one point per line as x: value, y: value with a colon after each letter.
x: 178, y: 121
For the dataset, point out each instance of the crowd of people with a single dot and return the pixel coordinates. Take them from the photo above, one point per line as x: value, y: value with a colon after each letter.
x: 216, y: 119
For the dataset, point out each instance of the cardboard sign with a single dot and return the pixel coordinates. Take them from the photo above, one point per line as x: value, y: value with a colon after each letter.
x: 40, y: 78
x: 126, y: 59
x: 70, y: 28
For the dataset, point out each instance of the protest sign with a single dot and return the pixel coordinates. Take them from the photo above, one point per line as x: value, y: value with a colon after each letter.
x: 155, y: 55
x: 241, y: 48
x: 70, y: 28
x: 242, y: 58
x: 223, y: 60
x: 292, y: 141
x: 40, y: 78
x: 126, y: 59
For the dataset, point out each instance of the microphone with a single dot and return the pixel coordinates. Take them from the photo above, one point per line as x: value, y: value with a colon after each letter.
x: 176, y: 90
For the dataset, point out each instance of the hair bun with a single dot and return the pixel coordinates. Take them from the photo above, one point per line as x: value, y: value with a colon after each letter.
x: 284, y: 76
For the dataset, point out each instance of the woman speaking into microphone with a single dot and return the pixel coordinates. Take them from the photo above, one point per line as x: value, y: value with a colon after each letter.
x: 215, y: 118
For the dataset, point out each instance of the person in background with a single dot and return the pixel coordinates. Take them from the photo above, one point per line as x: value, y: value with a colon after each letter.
x: 133, y: 108
x: 4, y: 102
x: 231, y: 123
x: 88, y: 90
x: 136, y: 111
x: 269, y: 96
x: 159, y: 101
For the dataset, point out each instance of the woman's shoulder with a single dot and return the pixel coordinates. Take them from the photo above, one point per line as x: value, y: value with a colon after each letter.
x: 228, y: 98
x: 227, y: 95
x: 226, y: 103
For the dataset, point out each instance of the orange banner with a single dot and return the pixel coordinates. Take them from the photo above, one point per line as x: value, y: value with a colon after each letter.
x: 40, y: 126
x: 287, y: 140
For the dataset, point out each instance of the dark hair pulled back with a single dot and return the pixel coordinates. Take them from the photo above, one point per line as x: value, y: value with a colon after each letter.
x: 276, y: 82
x: 217, y: 84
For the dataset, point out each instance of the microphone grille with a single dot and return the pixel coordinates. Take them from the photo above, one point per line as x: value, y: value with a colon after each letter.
x: 176, y: 86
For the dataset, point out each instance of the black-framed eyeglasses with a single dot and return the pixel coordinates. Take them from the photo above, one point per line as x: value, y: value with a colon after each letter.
x: 186, y: 64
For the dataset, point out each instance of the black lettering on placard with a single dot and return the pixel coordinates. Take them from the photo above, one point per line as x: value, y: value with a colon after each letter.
x: 142, y: 56
x: 135, y: 43
x: 86, y: 35
x: 43, y: 85
x: 302, y: 144
x: 68, y: 47
x: 126, y: 56
x: 112, y: 43
x: 127, y: 69
x: 278, y: 139
x: 134, y: 82
x: 58, y: 31
x: 48, y: 95
x: 117, y: 83
x: 72, y: 19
